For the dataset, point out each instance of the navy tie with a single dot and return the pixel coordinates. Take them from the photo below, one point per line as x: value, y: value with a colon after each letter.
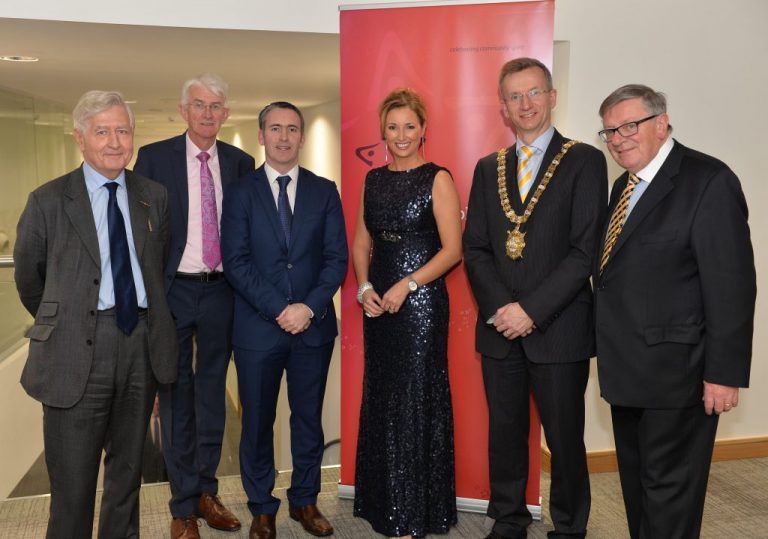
x: 126, y: 306
x: 284, y: 207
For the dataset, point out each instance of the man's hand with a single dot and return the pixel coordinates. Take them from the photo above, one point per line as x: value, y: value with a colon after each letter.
x: 295, y: 318
x: 512, y: 321
x: 719, y: 399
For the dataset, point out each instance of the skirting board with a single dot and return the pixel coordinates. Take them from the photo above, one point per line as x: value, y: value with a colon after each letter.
x: 731, y: 449
x: 468, y: 505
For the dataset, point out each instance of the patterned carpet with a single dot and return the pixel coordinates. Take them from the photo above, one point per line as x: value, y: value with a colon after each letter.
x: 737, y: 506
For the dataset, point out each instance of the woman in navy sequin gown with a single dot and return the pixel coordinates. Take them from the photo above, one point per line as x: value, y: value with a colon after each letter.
x: 408, y: 236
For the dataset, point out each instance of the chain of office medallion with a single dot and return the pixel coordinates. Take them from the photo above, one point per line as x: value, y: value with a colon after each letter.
x: 501, y: 162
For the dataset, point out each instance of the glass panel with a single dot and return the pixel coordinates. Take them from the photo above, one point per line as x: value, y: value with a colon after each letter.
x: 36, y: 145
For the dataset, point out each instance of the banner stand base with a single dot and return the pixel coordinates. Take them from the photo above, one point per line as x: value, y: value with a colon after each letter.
x: 466, y: 505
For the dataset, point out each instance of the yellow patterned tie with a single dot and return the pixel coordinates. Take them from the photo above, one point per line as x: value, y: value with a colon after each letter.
x: 524, y: 172
x: 617, y: 220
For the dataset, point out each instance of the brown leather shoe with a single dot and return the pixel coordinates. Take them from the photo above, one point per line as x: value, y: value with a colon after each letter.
x: 312, y: 520
x: 216, y: 515
x: 184, y: 528
x: 262, y: 527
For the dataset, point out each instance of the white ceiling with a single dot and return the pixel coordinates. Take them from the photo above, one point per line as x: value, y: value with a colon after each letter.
x: 149, y: 64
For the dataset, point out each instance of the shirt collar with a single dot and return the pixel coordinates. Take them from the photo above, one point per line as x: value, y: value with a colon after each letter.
x: 193, y: 150
x: 541, y: 142
x: 272, y: 174
x: 651, y: 169
x: 95, y: 180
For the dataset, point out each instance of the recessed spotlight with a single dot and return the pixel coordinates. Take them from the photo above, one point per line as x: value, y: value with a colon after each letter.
x: 19, y: 58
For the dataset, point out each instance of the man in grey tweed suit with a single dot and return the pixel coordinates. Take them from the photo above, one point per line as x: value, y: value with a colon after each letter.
x: 97, y: 382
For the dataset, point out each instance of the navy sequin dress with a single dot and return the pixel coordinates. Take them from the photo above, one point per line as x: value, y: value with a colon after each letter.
x: 404, y: 479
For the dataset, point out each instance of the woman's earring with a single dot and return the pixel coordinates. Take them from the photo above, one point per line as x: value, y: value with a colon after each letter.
x: 424, y: 147
x: 386, y: 154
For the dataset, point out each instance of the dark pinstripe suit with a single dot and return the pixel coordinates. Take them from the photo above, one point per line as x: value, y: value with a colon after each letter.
x: 551, y: 283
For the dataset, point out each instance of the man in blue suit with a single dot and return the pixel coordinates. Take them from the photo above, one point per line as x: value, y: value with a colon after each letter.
x: 195, y: 167
x: 285, y: 253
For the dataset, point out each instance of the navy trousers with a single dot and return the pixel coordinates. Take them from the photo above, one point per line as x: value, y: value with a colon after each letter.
x: 259, y: 373
x: 193, y: 409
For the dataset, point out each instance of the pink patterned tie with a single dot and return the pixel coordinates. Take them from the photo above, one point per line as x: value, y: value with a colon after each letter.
x: 211, y: 246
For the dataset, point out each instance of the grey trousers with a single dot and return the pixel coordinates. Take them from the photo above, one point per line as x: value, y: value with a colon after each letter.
x: 111, y: 416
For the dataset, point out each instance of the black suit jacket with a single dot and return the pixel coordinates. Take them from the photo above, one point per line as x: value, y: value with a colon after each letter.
x: 166, y: 162
x: 551, y: 281
x: 676, y: 301
x: 58, y: 270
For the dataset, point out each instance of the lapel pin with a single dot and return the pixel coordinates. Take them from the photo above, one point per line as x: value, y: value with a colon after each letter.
x: 149, y: 224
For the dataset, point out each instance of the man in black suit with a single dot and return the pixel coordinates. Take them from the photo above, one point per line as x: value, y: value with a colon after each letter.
x: 528, y: 249
x: 195, y: 168
x: 675, y: 300
x: 89, y: 258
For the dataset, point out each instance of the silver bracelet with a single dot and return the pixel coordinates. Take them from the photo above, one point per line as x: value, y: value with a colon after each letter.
x: 361, y: 290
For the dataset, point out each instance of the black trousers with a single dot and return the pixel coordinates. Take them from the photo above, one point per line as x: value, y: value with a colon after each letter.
x: 558, y: 390
x: 664, y: 457
x: 111, y: 416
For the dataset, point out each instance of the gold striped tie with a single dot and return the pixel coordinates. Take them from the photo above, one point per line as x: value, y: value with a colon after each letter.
x: 524, y: 172
x: 617, y: 220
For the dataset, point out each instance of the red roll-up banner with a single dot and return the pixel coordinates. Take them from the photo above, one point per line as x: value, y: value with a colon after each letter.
x: 451, y: 55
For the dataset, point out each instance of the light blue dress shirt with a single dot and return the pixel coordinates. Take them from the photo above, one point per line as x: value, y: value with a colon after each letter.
x: 99, y: 196
x: 647, y: 174
x: 539, y: 146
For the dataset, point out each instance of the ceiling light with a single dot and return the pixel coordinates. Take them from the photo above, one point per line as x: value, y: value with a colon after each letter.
x: 19, y: 58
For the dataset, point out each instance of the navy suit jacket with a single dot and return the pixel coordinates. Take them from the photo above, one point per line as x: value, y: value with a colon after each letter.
x: 259, y: 265
x: 166, y: 162
x: 676, y: 301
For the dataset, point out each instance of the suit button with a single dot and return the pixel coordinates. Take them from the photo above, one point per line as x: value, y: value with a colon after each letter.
x: 289, y: 266
x: 95, y: 281
x: 89, y: 342
x: 92, y: 312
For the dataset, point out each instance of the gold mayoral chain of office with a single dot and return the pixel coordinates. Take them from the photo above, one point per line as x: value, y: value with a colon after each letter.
x: 516, y: 239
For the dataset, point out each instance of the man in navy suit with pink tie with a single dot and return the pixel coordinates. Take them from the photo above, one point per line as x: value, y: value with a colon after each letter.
x: 284, y: 249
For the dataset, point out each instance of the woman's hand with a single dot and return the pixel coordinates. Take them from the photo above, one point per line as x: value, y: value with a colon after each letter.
x: 394, y: 297
x: 372, y: 304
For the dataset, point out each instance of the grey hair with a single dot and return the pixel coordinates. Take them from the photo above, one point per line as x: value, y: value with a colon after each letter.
x: 279, y: 105
x: 210, y: 81
x: 654, y: 102
x: 97, y: 101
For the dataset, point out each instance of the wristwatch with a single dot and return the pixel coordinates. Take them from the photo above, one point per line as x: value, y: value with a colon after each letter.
x: 413, y: 286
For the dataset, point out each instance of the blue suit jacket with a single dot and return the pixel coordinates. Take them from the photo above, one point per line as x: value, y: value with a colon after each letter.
x: 259, y: 265
x: 166, y: 162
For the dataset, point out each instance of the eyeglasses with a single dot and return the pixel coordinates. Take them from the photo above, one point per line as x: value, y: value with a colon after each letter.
x: 200, y: 106
x: 517, y: 98
x: 625, y: 130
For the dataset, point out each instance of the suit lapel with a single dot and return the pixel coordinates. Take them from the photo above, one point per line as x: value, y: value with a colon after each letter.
x: 264, y: 193
x: 301, y: 206
x: 179, y: 166
x: 138, y: 206
x: 661, y: 185
x: 80, y: 213
x: 225, y: 164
